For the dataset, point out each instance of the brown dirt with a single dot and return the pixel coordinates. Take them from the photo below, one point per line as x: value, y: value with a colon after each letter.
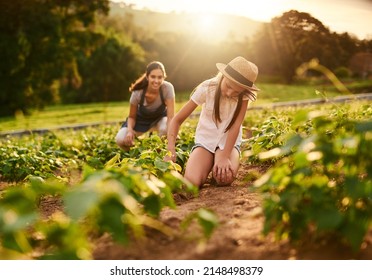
x: 239, y: 236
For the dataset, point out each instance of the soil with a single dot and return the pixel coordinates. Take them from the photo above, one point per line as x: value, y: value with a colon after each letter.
x: 238, y: 236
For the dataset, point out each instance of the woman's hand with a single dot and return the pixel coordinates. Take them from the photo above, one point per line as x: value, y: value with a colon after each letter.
x: 129, y: 138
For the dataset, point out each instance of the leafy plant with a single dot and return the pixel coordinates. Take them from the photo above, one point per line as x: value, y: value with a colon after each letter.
x: 321, y: 183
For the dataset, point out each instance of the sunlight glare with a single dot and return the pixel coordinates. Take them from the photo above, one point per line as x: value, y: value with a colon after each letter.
x: 206, y: 22
x: 209, y: 26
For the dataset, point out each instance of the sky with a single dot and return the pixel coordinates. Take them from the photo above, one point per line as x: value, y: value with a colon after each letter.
x: 352, y: 16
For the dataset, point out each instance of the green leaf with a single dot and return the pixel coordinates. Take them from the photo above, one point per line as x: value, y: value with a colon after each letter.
x: 113, y: 161
x: 80, y: 201
x: 162, y: 165
x: 111, y: 219
x: 300, y: 160
x: 11, y: 221
x: 152, y: 205
x: 208, y: 221
x: 300, y: 117
x: 327, y: 218
x: 355, y: 232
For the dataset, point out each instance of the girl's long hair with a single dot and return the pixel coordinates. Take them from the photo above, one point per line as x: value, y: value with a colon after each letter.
x: 216, y: 109
x: 142, y: 82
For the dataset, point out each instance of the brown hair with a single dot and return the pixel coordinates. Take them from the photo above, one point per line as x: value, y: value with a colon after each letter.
x: 216, y: 109
x: 142, y: 82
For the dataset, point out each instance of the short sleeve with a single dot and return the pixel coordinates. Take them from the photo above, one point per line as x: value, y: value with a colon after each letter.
x: 199, y: 94
x: 135, y: 98
x: 168, y: 90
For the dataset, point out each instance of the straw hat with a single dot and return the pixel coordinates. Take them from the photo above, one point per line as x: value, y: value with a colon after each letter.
x: 240, y: 71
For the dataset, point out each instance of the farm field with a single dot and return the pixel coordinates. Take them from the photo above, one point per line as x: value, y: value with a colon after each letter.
x: 111, y: 112
x: 303, y: 181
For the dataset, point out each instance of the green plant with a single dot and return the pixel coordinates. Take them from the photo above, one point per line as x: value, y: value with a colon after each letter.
x: 321, y: 184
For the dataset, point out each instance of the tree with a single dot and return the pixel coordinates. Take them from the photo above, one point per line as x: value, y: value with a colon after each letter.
x: 291, y: 39
x: 109, y: 71
x: 38, y: 43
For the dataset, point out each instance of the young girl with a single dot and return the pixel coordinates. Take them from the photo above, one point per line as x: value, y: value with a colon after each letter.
x: 218, y: 136
x: 151, y: 106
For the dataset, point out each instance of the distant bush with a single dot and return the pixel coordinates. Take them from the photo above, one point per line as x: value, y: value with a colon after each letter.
x: 342, y: 72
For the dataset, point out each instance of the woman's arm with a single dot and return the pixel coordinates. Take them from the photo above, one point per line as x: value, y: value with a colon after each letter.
x: 131, y: 122
x: 170, y: 103
x: 174, y: 127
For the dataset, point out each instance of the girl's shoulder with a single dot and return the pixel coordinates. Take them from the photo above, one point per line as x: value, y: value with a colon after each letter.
x: 213, y: 82
x: 205, y: 91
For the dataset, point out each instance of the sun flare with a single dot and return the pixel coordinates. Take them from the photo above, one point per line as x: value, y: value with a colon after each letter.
x: 206, y: 22
x: 266, y: 10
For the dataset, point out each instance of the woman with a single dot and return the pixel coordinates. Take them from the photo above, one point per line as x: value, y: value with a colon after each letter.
x: 151, y: 106
x: 224, y: 100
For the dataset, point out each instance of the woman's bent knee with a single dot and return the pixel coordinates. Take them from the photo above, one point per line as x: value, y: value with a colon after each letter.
x: 162, y: 126
x: 120, y: 137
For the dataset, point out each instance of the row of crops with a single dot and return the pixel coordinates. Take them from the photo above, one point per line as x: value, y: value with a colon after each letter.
x: 319, y: 182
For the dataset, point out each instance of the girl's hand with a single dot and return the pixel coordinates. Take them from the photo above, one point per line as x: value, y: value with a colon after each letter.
x: 222, y: 170
x: 170, y: 156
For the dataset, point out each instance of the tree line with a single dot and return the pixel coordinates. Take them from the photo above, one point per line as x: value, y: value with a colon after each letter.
x: 74, y: 51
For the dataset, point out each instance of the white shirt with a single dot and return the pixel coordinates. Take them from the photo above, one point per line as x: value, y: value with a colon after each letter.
x: 209, y: 134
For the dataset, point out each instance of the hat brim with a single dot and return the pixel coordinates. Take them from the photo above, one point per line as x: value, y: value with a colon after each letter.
x: 221, y: 67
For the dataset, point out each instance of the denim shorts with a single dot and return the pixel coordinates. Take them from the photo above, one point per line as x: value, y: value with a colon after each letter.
x: 237, y: 147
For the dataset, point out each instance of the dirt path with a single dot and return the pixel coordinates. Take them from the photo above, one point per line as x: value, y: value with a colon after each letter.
x: 238, y: 236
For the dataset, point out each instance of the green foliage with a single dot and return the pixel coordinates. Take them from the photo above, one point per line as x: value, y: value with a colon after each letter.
x: 206, y: 220
x: 297, y: 37
x: 269, y: 135
x: 108, y: 72
x: 39, y: 44
x: 342, y: 72
x: 121, y: 193
x: 76, y: 51
x: 120, y: 199
x: 320, y: 183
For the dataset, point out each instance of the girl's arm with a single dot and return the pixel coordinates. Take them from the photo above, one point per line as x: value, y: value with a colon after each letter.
x: 235, y: 129
x: 223, y: 160
x: 174, y: 127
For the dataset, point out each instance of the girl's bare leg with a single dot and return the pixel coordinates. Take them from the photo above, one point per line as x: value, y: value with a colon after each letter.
x: 198, y: 166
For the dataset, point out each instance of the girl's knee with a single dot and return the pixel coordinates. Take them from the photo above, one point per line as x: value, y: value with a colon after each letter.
x: 195, y: 181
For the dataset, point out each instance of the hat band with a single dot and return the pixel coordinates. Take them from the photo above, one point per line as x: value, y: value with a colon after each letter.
x: 237, y: 76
